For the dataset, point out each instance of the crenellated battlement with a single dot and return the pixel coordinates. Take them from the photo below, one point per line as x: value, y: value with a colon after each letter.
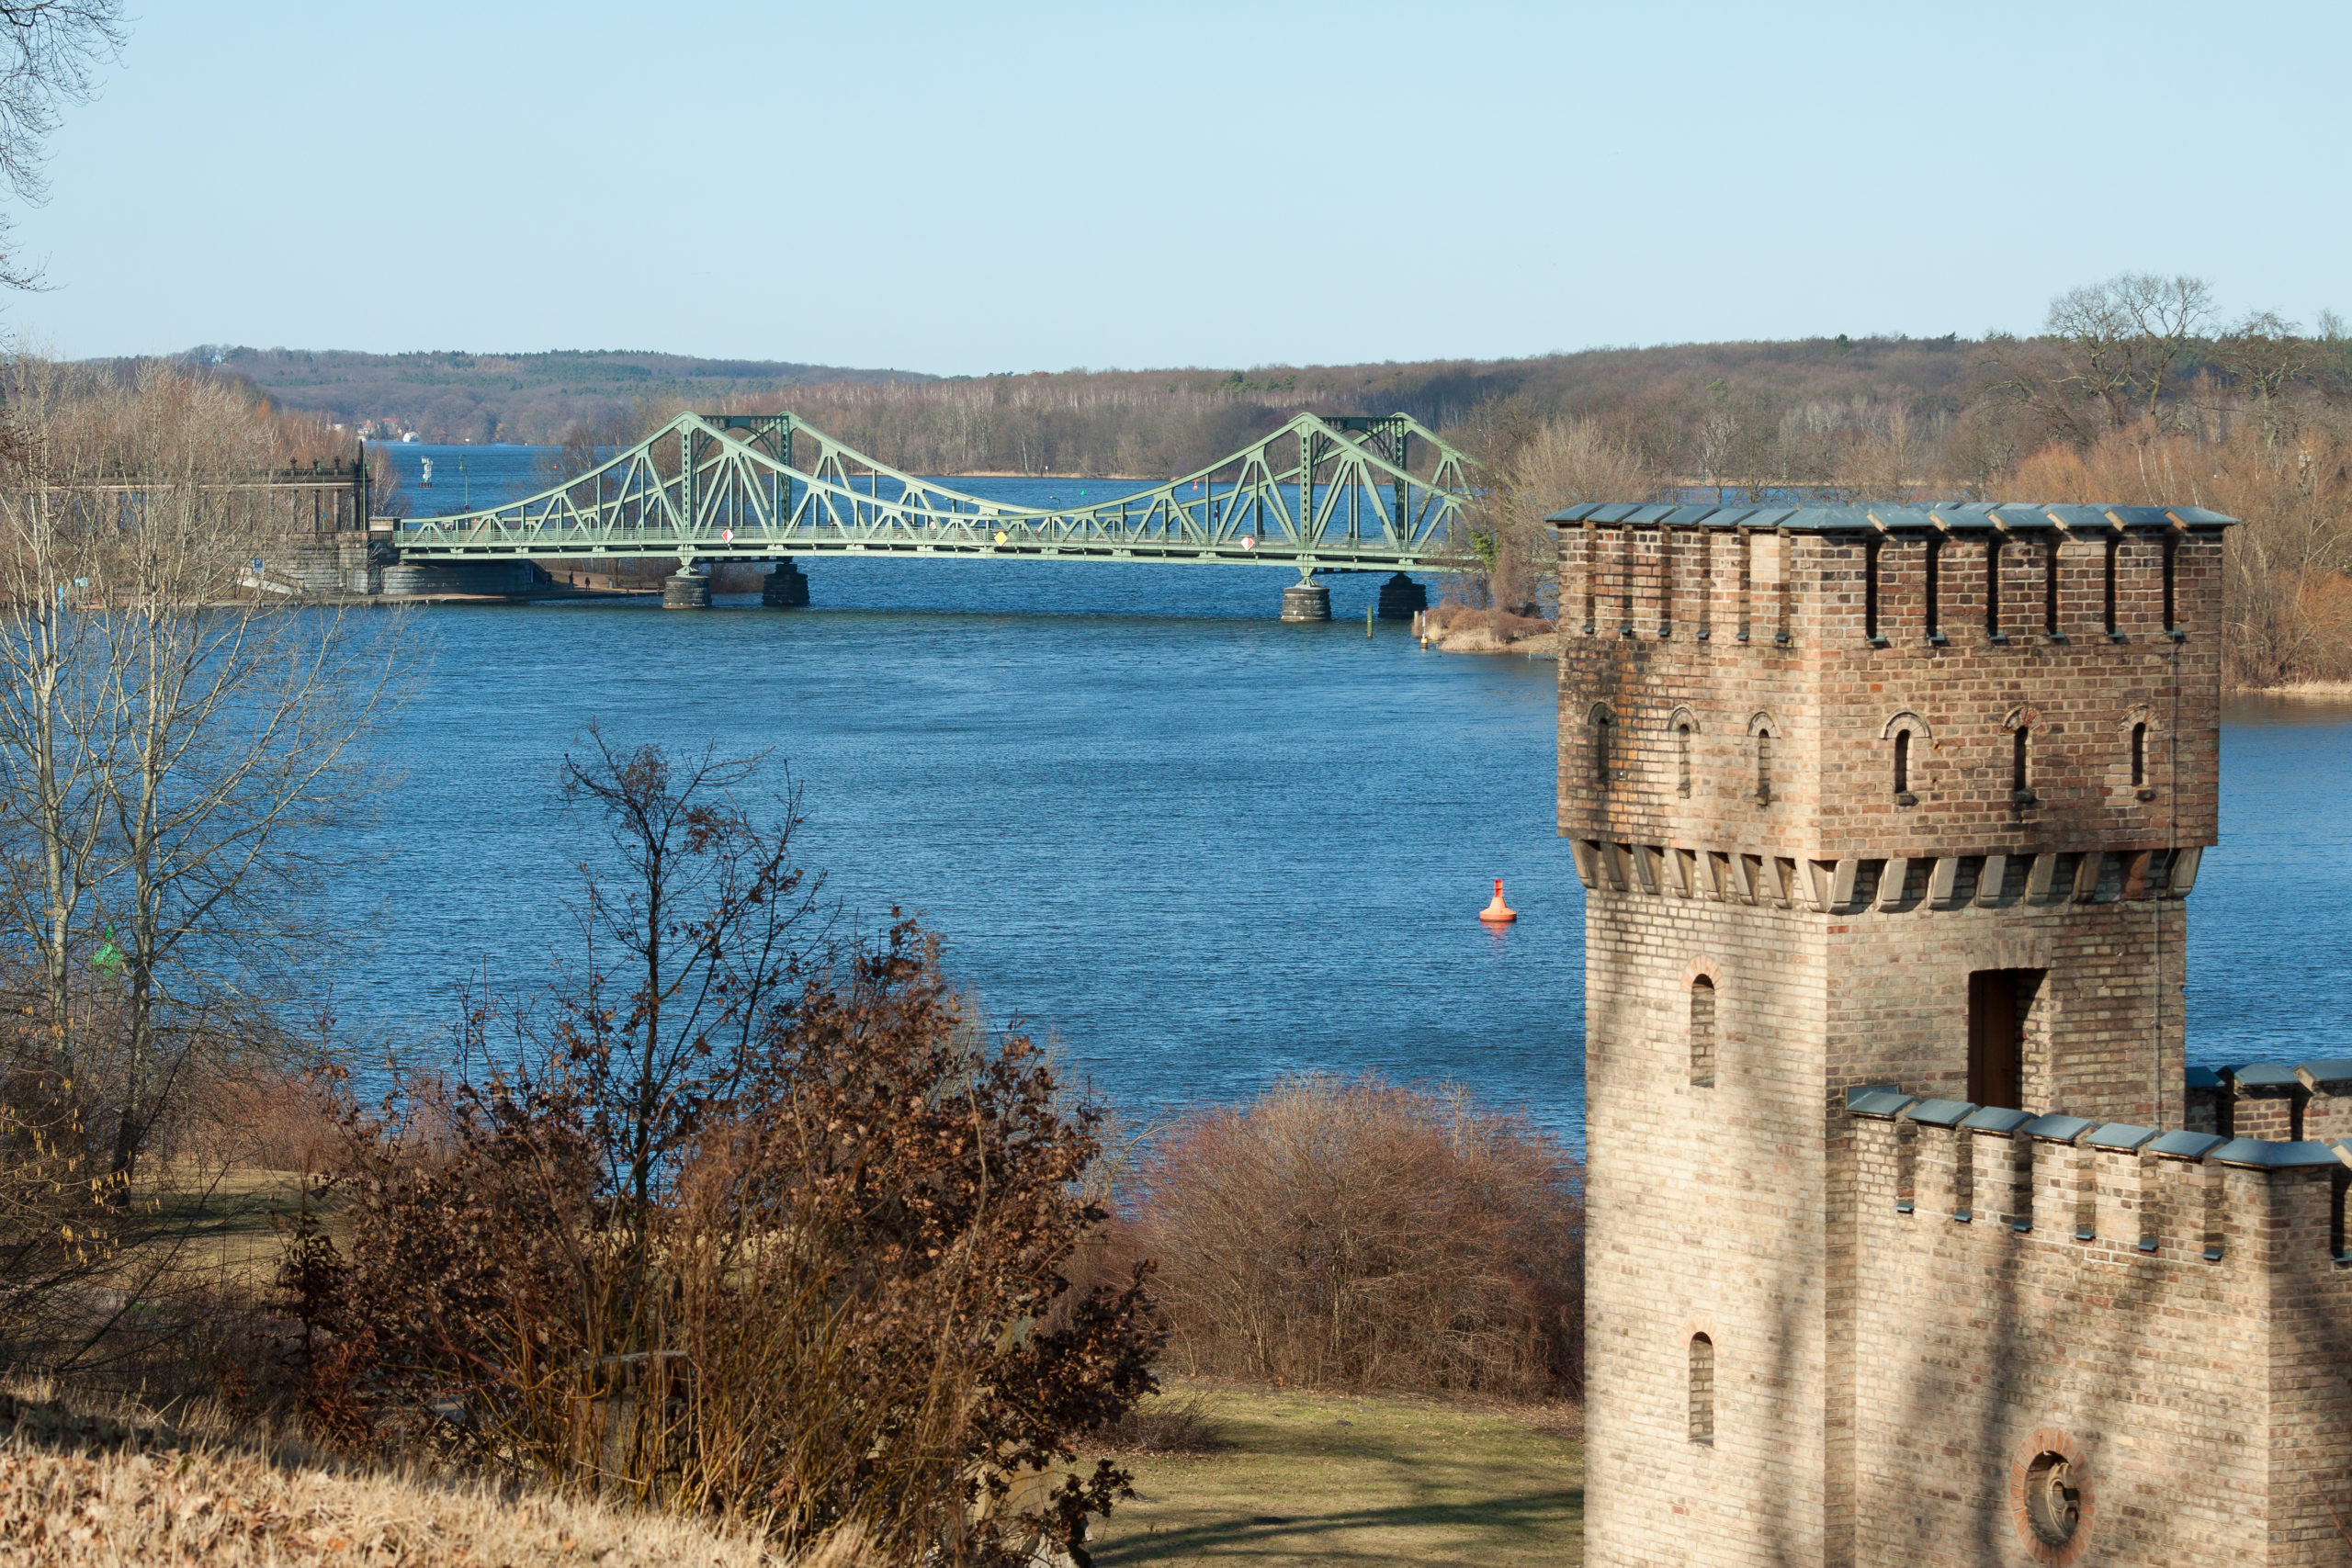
x: 2104, y: 1193
x: 1912, y: 682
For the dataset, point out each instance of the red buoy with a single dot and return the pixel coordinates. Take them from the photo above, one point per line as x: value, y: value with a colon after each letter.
x: 1498, y: 913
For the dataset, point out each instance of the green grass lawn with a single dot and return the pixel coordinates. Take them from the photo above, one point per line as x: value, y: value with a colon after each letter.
x: 1316, y: 1479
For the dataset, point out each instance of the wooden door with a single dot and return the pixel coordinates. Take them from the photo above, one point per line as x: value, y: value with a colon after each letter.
x: 1997, y: 1036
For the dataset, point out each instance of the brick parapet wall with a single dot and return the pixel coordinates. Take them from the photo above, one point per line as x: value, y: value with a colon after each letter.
x: 2182, y: 1320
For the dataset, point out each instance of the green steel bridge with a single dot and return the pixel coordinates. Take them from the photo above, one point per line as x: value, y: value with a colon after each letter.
x: 1319, y: 494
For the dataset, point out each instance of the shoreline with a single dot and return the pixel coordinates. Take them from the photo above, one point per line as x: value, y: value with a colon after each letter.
x: 2319, y: 691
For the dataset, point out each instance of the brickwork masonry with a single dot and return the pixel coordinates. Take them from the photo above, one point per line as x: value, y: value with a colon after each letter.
x: 1915, y: 797
x: 2171, y: 1310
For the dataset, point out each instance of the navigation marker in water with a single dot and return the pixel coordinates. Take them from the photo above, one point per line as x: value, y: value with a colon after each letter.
x: 1498, y: 913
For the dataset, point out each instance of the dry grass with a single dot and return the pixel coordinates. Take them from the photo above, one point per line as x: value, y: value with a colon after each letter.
x: 85, y: 1490
x: 222, y: 1509
x: 1339, y: 1481
x: 1457, y: 628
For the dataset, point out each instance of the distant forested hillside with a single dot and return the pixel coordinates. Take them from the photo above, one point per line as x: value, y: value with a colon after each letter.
x: 1146, y: 423
x: 1123, y: 422
x: 506, y: 396
x: 2134, y: 390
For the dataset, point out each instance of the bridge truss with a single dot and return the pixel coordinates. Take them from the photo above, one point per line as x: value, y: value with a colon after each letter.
x: 1319, y: 494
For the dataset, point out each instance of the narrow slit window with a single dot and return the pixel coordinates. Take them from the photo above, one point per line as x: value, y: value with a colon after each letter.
x: 1746, y: 579
x: 1664, y: 582
x: 2114, y: 563
x: 1935, y: 587
x: 2139, y: 755
x: 1993, y: 587
x: 1764, y: 767
x: 1683, y: 758
x: 1603, y: 724
x: 1870, y: 589
x: 1702, y: 1033
x: 2020, y: 754
x: 2049, y: 586
x: 1703, y: 1390
x: 1591, y: 544
x: 1903, y: 762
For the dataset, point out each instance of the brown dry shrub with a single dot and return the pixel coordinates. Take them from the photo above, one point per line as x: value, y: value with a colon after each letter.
x: 265, y: 1119
x: 845, y: 1303
x: 1350, y: 1233
x: 1501, y: 624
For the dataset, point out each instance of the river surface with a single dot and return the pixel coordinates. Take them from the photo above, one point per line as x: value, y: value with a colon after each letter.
x: 1198, y: 848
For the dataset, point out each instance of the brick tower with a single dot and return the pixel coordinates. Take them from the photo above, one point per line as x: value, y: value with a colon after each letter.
x: 1885, y: 815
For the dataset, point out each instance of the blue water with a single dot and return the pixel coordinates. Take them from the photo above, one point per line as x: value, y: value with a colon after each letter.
x: 2270, y: 922
x: 1196, y: 847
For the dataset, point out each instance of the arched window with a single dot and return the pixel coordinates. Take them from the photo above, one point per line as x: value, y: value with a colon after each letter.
x: 1763, y: 767
x: 1682, y: 755
x: 1702, y: 1033
x: 1903, y: 762
x: 1703, y: 1390
x: 1604, y: 725
x: 2139, y: 755
x: 2020, y: 759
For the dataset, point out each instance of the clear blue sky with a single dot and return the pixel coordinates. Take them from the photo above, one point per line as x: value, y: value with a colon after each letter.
x: 1036, y: 186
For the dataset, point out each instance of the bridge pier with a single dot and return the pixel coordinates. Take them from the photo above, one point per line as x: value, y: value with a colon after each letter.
x: 1306, y: 600
x: 1401, y: 598
x: 686, y: 590
x: 786, y: 587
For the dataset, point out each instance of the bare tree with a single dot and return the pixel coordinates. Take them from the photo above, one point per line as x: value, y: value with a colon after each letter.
x: 1533, y: 469
x: 52, y: 49
x: 184, y: 742
x: 1883, y: 456
x: 52, y: 692
x: 2265, y: 357
x: 2123, y: 339
x: 708, y: 919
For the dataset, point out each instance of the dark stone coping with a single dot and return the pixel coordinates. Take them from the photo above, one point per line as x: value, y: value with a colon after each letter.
x: 2187, y: 1145
x: 2264, y: 1075
x: 1864, y: 1091
x: 2121, y: 1137
x: 2333, y: 1070
x: 1972, y: 516
x: 1940, y: 1112
x: 2059, y: 1129
x: 1885, y: 1104
x: 2258, y: 1154
x: 2202, y: 1078
x: 1996, y: 1119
